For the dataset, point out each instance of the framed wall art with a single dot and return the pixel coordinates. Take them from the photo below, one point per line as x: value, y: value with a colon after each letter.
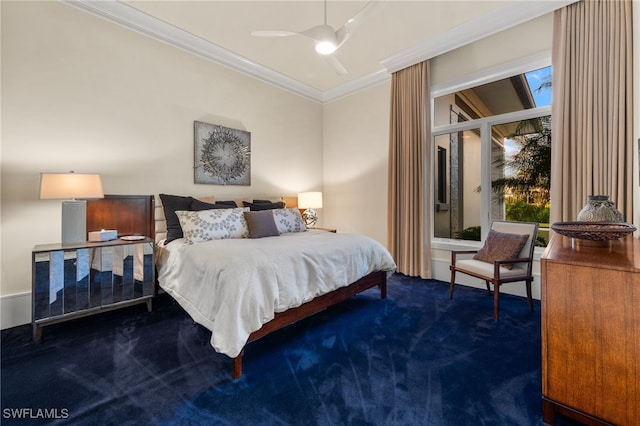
x: 222, y: 156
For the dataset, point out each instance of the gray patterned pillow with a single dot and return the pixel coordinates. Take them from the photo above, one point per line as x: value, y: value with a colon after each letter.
x: 501, y: 246
x: 217, y: 224
x: 288, y: 220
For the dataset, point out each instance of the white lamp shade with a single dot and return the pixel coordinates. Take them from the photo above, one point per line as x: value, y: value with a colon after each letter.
x: 60, y: 186
x: 310, y: 200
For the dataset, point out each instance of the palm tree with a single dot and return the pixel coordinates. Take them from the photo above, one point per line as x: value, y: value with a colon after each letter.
x: 532, y: 162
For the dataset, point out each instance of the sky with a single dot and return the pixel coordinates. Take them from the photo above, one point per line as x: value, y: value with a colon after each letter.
x: 542, y: 97
x: 535, y: 78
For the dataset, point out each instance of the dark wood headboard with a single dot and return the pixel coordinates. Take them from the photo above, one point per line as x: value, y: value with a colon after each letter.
x: 127, y: 214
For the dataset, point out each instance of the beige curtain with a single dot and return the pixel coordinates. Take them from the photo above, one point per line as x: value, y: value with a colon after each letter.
x: 592, y: 115
x: 409, y: 158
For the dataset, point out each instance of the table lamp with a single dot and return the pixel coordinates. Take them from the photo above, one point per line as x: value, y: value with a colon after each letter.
x: 310, y: 201
x: 68, y: 187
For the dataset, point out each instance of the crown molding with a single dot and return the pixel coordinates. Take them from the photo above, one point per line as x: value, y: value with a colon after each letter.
x: 513, y: 14
x: 148, y: 25
x: 353, y: 86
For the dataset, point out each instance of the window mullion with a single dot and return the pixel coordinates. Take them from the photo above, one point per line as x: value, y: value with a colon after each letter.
x: 485, y: 177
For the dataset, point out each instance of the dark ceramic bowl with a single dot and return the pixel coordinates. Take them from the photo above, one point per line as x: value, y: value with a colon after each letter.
x: 593, y: 231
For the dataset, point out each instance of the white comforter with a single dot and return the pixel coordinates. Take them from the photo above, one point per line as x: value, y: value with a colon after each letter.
x: 234, y: 286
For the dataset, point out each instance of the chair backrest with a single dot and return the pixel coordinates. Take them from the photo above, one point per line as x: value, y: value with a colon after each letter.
x: 521, y: 228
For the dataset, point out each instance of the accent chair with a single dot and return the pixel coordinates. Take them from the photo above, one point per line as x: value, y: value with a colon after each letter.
x: 505, y: 257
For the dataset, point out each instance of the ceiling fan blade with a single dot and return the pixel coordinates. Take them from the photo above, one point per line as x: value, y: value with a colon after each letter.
x: 273, y: 33
x: 335, y: 64
x: 344, y: 32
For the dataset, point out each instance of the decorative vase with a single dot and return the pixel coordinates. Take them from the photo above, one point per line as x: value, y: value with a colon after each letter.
x: 599, y: 209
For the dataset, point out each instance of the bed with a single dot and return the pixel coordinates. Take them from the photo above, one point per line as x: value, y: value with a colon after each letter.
x: 242, y: 285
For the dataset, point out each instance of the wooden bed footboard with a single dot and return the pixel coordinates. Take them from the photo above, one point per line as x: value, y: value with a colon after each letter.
x: 283, y: 319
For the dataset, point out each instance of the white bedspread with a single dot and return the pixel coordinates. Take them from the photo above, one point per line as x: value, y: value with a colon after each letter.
x: 234, y: 286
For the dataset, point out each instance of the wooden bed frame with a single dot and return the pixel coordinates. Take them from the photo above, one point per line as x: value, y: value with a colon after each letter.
x: 320, y: 303
x: 134, y: 215
x: 127, y: 214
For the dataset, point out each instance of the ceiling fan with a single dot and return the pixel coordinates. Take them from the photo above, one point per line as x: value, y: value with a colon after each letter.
x: 327, y: 40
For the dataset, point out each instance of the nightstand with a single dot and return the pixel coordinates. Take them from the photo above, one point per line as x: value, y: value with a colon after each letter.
x: 76, y: 280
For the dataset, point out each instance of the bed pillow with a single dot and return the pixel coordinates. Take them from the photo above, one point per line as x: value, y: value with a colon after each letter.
x: 197, y: 205
x: 288, y: 220
x: 227, y: 203
x: 263, y: 205
x: 261, y: 224
x: 213, y: 224
x: 171, y: 204
x: 501, y: 246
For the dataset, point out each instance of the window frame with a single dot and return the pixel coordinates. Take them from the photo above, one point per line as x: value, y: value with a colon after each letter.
x: 519, y: 66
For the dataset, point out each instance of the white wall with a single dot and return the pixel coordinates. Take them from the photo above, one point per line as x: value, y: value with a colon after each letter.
x: 80, y: 93
x: 355, y: 152
x: 521, y: 41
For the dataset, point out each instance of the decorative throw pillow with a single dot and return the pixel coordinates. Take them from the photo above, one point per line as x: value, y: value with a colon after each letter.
x: 197, y: 205
x: 288, y: 220
x: 214, y: 224
x: 171, y: 204
x: 501, y: 246
x: 268, y: 205
x: 261, y: 224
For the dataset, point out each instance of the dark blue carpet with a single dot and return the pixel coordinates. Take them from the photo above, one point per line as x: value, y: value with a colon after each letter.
x: 416, y: 358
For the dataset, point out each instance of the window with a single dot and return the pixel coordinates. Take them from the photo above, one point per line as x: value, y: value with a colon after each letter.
x: 462, y: 173
x: 492, y: 146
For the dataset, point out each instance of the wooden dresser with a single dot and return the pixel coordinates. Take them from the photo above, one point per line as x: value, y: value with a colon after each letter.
x: 591, y: 331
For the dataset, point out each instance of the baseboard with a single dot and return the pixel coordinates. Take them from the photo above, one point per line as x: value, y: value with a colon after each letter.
x: 15, y: 309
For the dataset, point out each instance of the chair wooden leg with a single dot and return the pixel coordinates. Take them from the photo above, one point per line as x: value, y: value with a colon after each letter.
x: 488, y: 288
x: 452, y: 284
x: 529, y: 297
x: 496, y: 301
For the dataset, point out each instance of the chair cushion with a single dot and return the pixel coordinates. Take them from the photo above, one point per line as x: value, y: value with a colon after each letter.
x: 501, y: 246
x: 484, y: 269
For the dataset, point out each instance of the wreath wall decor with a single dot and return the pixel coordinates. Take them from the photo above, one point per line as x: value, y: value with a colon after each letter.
x: 222, y: 155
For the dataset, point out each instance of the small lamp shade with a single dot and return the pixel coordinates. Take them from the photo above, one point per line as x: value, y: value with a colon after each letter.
x: 68, y: 187
x: 310, y: 200
x: 60, y: 186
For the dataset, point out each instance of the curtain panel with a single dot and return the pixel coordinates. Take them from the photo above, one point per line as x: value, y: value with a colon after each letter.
x: 592, y: 111
x: 409, y: 158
